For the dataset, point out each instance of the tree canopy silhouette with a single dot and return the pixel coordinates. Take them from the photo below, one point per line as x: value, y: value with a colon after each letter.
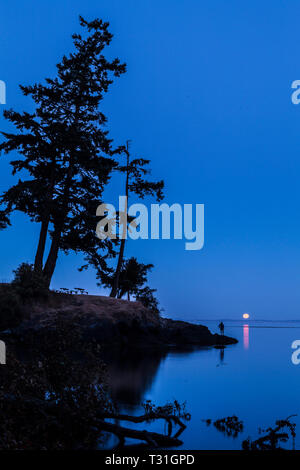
x: 133, y: 276
x: 65, y: 150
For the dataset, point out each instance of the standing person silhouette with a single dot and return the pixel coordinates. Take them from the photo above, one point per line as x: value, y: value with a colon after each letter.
x: 221, y: 328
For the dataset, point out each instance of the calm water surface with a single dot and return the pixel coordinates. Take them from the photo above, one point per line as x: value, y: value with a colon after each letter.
x: 254, y: 380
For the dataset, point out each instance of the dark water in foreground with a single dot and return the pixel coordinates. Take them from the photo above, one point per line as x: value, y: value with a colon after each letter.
x: 254, y: 380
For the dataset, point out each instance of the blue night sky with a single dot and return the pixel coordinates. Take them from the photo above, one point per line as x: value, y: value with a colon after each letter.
x: 207, y: 97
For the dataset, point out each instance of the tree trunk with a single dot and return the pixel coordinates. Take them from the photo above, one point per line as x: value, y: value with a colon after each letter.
x: 38, y: 263
x: 114, y: 290
x: 55, y: 245
x: 59, y: 226
x: 39, y: 257
x: 115, y: 287
x: 52, y: 257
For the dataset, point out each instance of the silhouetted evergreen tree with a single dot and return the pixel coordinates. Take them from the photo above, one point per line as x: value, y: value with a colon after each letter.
x: 147, y: 298
x: 65, y: 150
x: 132, y: 279
x: 135, y: 171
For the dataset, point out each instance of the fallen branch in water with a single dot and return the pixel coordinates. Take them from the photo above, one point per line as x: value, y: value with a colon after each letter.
x: 273, y: 437
x: 152, y: 438
x: 149, y: 417
x: 172, y: 414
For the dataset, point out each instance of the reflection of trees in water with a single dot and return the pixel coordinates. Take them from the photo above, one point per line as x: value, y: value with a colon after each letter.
x: 131, y: 373
x: 132, y: 370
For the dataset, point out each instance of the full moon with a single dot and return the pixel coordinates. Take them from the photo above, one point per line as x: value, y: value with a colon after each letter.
x: 246, y: 315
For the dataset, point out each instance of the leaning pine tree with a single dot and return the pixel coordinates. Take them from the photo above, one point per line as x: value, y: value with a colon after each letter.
x: 135, y: 171
x: 65, y: 150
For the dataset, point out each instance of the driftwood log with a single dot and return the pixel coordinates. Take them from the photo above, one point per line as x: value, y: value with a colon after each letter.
x: 151, y: 438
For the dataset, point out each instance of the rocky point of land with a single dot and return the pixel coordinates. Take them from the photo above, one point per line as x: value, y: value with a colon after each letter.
x: 117, y: 322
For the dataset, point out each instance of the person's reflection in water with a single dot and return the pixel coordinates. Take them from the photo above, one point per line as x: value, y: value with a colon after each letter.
x: 246, y: 336
x: 222, y: 355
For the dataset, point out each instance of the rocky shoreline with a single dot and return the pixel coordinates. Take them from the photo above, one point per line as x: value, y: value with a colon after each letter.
x: 116, y: 322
